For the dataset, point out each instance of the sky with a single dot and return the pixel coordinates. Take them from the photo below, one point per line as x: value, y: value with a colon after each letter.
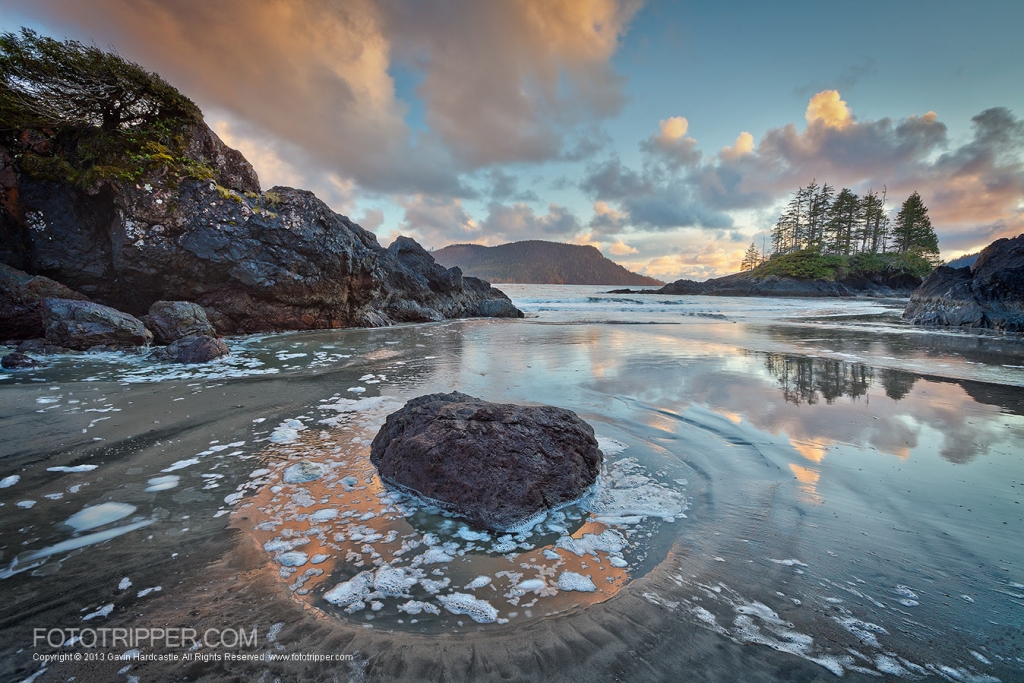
x: 667, y: 134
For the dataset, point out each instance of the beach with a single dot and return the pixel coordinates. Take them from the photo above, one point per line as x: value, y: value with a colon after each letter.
x: 793, y: 489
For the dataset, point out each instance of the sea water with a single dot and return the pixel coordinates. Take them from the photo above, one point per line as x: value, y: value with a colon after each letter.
x: 811, y: 478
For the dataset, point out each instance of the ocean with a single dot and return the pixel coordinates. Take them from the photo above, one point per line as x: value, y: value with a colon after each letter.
x: 793, y: 490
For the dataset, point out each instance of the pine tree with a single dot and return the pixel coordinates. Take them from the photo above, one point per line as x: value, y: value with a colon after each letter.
x: 751, y: 258
x: 874, y: 222
x: 912, y: 231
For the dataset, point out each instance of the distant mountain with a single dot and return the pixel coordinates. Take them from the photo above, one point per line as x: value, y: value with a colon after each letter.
x: 539, y: 262
x: 965, y: 260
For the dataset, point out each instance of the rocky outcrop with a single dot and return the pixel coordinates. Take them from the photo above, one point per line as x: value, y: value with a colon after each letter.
x: 20, y: 296
x: 233, y: 170
x: 82, y: 325
x: 170, y: 321
x: 989, y: 294
x: 497, y: 464
x: 749, y: 284
x: 279, y: 260
x: 195, y: 349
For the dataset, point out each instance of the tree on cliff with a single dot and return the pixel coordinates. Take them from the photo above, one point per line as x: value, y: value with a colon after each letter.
x: 45, y: 82
x: 912, y: 230
x: 751, y: 258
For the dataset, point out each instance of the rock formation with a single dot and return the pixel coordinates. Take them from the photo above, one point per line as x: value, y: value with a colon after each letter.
x: 170, y: 321
x: 748, y: 284
x: 256, y: 262
x: 497, y: 464
x: 82, y: 325
x: 989, y: 294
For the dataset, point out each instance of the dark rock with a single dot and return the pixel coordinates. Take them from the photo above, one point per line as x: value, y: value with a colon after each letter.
x: 197, y: 349
x: 82, y: 325
x: 202, y: 350
x: 40, y: 346
x: 18, y: 361
x: 497, y: 308
x: 20, y: 293
x: 750, y: 284
x: 280, y: 260
x: 233, y: 170
x: 497, y: 464
x: 169, y: 321
x: 989, y: 294
x: 683, y: 287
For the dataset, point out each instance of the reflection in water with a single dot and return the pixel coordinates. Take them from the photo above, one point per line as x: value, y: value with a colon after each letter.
x: 803, y: 379
x: 807, y: 380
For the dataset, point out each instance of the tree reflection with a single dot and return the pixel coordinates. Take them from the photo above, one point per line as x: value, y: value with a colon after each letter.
x: 808, y: 380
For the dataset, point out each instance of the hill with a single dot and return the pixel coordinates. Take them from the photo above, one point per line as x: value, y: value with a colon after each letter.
x: 965, y: 261
x: 539, y: 262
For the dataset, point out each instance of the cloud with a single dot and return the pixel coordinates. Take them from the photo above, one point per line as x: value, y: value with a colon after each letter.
x: 671, y: 144
x: 827, y: 109
x: 501, y: 81
x: 620, y: 248
x: 517, y: 222
x: 850, y: 76
x: 975, y: 192
x: 437, y: 222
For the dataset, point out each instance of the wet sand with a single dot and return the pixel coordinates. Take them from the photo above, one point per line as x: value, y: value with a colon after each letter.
x: 844, y: 517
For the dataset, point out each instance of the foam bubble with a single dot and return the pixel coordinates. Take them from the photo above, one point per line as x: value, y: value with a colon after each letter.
x: 304, y: 471
x: 571, y: 581
x: 163, y: 483
x: 181, y: 464
x: 98, y: 515
x: 479, y: 611
x: 478, y: 582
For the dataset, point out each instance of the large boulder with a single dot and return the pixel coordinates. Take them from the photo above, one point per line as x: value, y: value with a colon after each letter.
x: 496, y: 464
x: 20, y: 296
x: 989, y: 294
x: 82, y: 325
x: 255, y: 261
x: 170, y: 321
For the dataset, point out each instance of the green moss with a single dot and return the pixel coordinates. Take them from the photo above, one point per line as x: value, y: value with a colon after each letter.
x: 225, y: 193
x: 272, y: 198
x: 54, y: 169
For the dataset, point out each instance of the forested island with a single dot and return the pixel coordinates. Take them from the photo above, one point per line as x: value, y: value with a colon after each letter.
x: 834, y: 244
x: 539, y: 262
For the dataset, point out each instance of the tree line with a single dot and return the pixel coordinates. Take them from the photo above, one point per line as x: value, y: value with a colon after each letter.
x: 820, y: 220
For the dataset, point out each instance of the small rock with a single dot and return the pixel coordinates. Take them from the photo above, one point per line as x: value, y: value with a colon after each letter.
x: 18, y: 361
x: 199, y: 349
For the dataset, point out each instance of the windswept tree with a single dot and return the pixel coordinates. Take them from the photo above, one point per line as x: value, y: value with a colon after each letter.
x: 912, y: 230
x: 109, y: 119
x: 45, y: 82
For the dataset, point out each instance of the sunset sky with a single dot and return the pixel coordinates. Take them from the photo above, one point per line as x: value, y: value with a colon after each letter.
x: 667, y: 134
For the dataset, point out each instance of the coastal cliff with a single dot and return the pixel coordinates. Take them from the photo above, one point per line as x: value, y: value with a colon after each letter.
x: 161, y: 209
x: 988, y: 295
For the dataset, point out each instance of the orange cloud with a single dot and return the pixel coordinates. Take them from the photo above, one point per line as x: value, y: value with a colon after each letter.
x: 827, y: 109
